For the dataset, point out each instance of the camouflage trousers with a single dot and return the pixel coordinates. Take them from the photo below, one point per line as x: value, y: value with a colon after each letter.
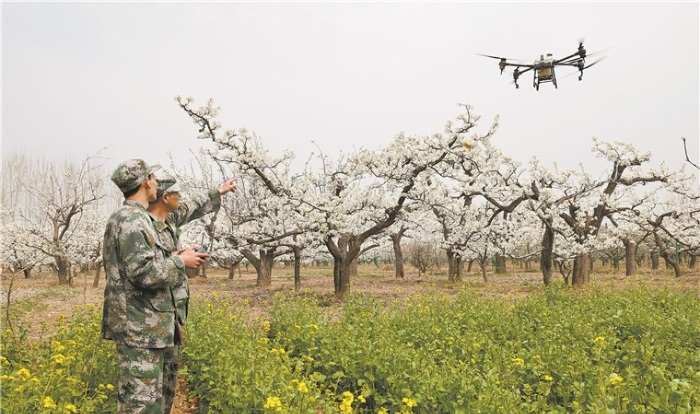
x: 170, y: 366
x: 140, y: 382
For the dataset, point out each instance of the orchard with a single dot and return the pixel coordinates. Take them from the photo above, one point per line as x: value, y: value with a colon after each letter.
x: 514, y: 310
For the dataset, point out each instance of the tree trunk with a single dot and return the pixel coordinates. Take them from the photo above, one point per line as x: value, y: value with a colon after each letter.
x: 232, y: 271
x: 630, y: 256
x: 582, y: 270
x: 482, y: 265
x: 500, y: 265
x: 297, y: 268
x: 96, y: 280
x: 63, y: 270
x: 203, y: 271
x: 398, y: 254
x: 345, y: 253
x: 654, y: 260
x: 668, y: 257
x: 691, y: 263
x: 564, y: 271
x: 546, y: 255
x: 341, y: 277
x: 451, y: 266
x: 264, y: 268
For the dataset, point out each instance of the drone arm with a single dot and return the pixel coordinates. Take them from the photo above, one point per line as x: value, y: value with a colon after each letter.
x: 574, y: 63
x: 563, y: 60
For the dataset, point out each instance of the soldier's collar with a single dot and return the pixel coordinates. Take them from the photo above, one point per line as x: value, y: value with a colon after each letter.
x: 133, y: 203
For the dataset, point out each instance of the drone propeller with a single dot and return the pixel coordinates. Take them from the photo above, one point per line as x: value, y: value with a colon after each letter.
x: 581, y: 68
x: 492, y: 57
x: 598, y: 52
x: 597, y: 61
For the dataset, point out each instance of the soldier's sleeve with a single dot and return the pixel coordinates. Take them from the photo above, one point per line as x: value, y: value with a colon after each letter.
x: 143, y: 257
x: 195, y: 206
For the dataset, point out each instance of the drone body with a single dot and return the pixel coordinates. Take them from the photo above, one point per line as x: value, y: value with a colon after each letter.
x: 543, y: 68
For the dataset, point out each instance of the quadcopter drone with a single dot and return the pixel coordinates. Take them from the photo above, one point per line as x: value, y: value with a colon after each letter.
x: 543, y: 68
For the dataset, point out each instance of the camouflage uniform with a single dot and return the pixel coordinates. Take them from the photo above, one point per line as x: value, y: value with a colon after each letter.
x: 194, y: 207
x: 139, y: 310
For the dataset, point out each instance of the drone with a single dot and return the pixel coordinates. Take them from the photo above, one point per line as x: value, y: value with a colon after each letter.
x: 543, y: 68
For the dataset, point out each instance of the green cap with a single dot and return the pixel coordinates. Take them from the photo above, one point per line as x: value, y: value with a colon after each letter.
x: 167, y: 184
x: 131, y: 173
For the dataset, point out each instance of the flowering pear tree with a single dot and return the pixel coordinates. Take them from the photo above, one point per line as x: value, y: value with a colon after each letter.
x: 363, y: 197
x: 55, y: 199
x: 672, y: 224
x: 273, y: 212
x: 348, y: 202
x: 16, y: 240
x: 469, y: 195
x: 575, y: 205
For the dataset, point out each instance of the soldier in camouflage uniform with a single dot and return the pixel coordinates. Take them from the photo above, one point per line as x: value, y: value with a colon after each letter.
x: 172, y: 214
x: 139, y: 310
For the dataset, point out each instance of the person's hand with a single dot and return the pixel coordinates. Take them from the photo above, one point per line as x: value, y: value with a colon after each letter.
x: 228, y: 185
x: 191, y: 258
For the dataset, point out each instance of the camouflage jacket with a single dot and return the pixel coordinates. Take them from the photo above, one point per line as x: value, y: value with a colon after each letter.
x: 138, y: 308
x: 195, y: 206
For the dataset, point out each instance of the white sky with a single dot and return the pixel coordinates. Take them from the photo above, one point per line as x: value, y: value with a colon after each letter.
x: 78, y: 77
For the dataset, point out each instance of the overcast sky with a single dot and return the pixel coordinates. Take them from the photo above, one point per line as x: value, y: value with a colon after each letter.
x: 79, y: 77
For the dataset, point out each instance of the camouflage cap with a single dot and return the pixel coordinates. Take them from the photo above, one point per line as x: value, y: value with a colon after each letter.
x: 131, y: 173
x: 168, y: 184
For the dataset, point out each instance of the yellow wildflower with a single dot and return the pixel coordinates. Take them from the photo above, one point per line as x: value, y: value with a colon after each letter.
x: 518, y: 362
x: 273, y: 403
x: 301, y: 387
x: 600, y: 341
x: 49, y: 403
x: 346, y: 404
x: 70, y: 408
x: 548, y: 378
x: 57, y: 346
x: 615, y: 380
x: 410, y: 402
x: 24, y: 373
x: 58, y: 359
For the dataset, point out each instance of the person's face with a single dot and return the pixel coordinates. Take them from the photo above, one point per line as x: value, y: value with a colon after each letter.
x: 152, y: 187
x: 172, y: 200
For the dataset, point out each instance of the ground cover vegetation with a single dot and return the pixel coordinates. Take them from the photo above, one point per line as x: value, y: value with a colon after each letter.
x: 418, y: 345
